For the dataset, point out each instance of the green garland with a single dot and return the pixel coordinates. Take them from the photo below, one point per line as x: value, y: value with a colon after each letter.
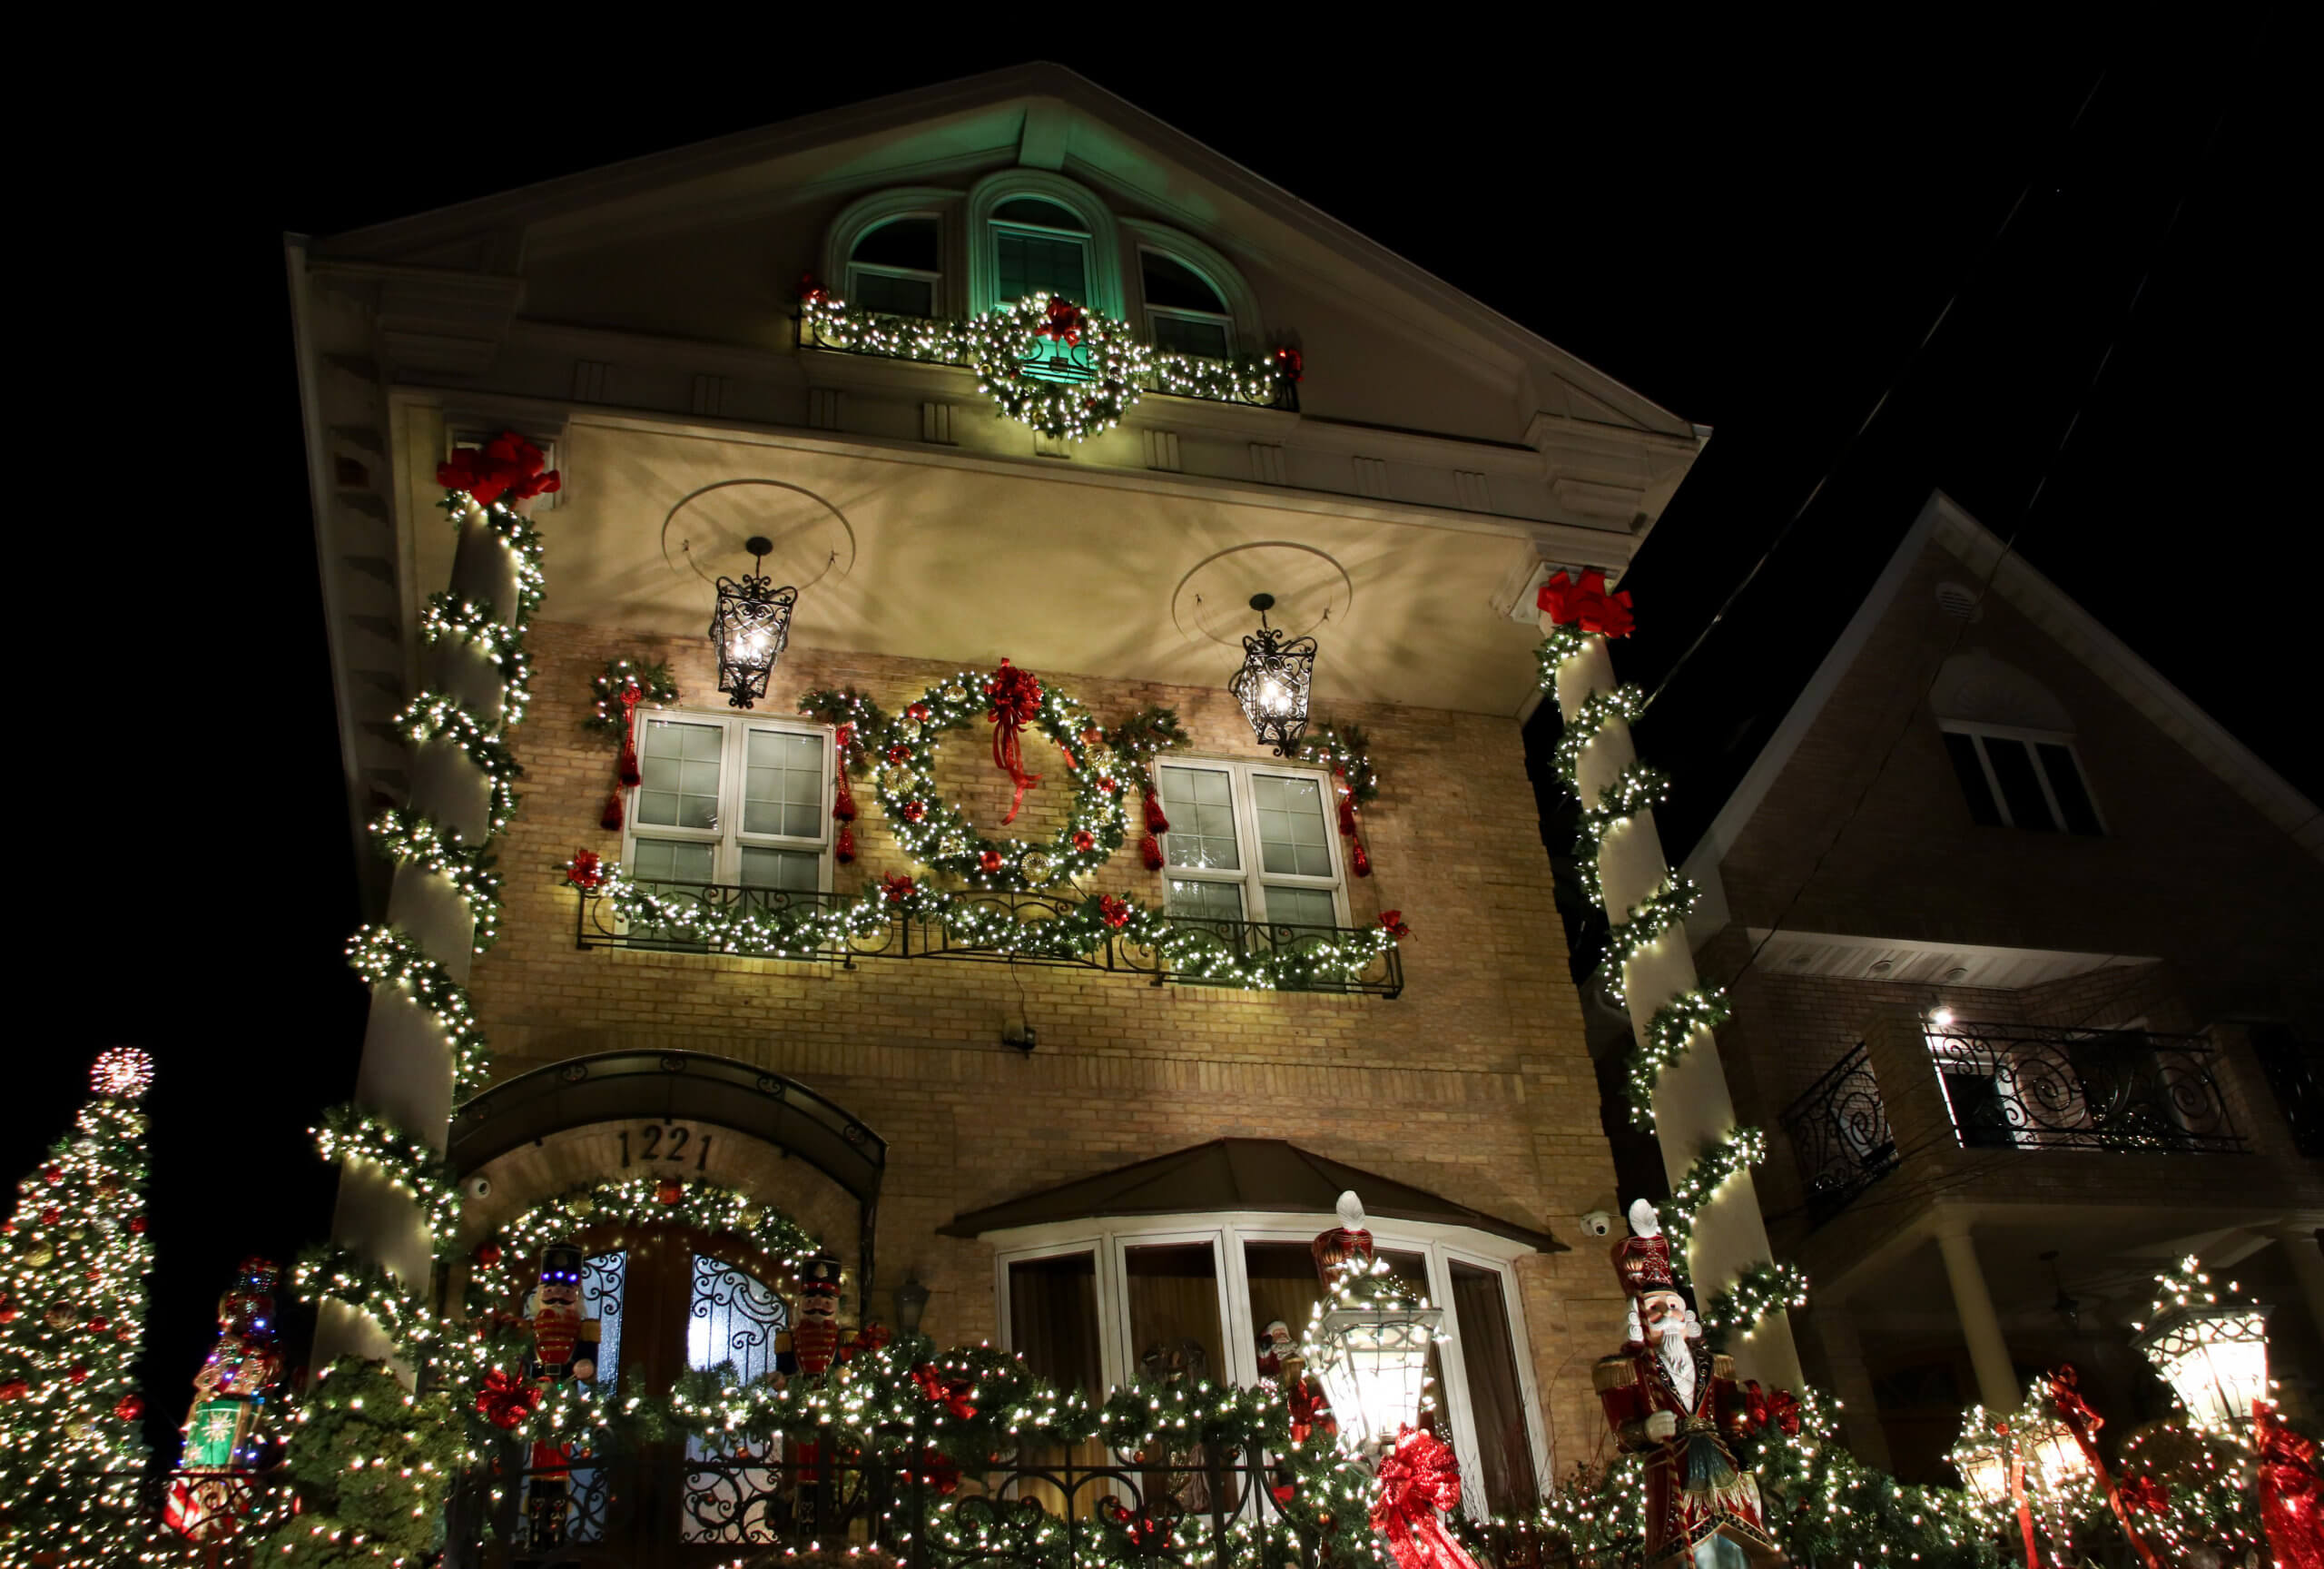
x: 607, y: 710
x: 937, y: 835
x: 1346, y: 751
x: 432, y: 717
x: 1668, y: 1035
x: 1638, y: 788
x: 410, y: 1164
x: 1764, y: 1287
x: 418, y: 841
x: 1597, y: 711
x: 371, y: 1464
x: 384, y: 955
x: 1718, y: 1164
x: 1147, y: 733
x: 502, y: 1259
x: 475, y: 624
x: 841, y: 706
x: 1667, y: 906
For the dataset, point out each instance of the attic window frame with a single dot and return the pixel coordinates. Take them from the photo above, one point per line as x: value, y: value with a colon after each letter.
x: 934, y: 280
x: 2032, y: 741
x: 1222, y: 318
x: 1099, y: 237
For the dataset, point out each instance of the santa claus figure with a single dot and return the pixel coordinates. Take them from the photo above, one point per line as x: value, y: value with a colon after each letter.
x: 1672, y: 1401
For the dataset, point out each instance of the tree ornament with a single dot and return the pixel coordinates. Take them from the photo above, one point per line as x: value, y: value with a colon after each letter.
x: 137, y: 1224
x: 53, y: 1175
x: 487, y: 1253
x: 130, y: 1407
x: 610, y: 819
x: 41, y: 1256
x: 60, y: 1315
x: 51, y: 1215
x: 1149, y: 851
x: 668, y: 1191
x: 13, y: 1389
x: 1362, y: 860
x: 8, y: 1308
x: 78, y: 1372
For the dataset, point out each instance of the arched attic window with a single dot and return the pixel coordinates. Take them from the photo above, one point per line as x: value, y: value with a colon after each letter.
x: 2011, y: 744
x: 898, y: 266
x: 1184, y: 312
x: 1032, y: 232
x: 1038, y: 248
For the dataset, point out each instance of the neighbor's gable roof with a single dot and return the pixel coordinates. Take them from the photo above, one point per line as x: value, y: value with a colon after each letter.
x: 1944, y: 521
x: 1040, y: 115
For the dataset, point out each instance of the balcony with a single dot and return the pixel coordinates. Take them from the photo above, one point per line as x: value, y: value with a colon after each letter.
x: 2017, y: 1087
x: 1050, y: 933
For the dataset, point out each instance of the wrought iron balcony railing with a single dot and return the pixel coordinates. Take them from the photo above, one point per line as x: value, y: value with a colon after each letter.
x: 2295, y: 1071
x: 2036, y: 1087
x: 1203, y: 951
x: 1839, y: 1133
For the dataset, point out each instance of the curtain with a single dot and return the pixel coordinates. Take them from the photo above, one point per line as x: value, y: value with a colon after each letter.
x: 1053, y: 1325
x: 1504, y: 1455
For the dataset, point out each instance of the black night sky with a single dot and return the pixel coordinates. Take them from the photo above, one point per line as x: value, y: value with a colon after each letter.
x: 1754, y: 226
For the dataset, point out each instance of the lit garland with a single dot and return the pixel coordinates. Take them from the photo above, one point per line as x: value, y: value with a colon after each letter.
x: 371, y: 1464
x: 1638, y: 788
x: 1667, y: 906
x: 504, y: 1260
x: 432, y: 717
x: 846, y: 705
x: 999, y: 343
x: 1668, y: 1035
x: 410, y: 1164
x: 1718, y: 1164
x: 74, y: 1258
x: 383, y: 955
x: 1597, y: 711
x: 1346, y: 751
x: 412, y: 840
x: 475, y: 624
x: 607, y: 711
x: 1764, y: 1287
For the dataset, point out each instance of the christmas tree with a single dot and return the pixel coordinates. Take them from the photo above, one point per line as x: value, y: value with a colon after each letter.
x: 72, y: 1267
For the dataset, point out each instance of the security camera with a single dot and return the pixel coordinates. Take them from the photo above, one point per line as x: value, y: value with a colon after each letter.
x: 478, y: 1186
x: 1599, y: 1223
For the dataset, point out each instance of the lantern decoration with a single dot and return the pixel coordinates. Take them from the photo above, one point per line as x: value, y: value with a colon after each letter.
x: 1272, y: 686
x: 1368, y: 1339
x: 752, y: 627
x: 815, y: 1341
x: 2213, y: 1352
x: 1993, y: 1462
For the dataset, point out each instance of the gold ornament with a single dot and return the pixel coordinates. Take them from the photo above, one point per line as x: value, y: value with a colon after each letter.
x: 581, y: 1206
x: 897, y: 780
x: 41, y: 1256
x: 953, y: 695
x: 59, y: 1316
x: 1038, y: 865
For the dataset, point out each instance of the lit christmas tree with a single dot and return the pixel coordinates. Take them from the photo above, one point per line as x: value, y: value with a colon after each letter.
x: 72, y: 1267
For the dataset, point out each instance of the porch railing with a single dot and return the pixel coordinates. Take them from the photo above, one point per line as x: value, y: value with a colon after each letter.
x: 597, y: 925
x: 2036, y: 1087
x: 1840, y: 1135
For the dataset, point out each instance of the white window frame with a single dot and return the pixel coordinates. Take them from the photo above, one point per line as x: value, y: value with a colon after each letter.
x: 996, y: 226
x: 2033, y: 741
x: 935, y: 281
x: 1240, y: 772
x: 1108, y: 1240
x: 1222, y: 318
x: 726, y: 867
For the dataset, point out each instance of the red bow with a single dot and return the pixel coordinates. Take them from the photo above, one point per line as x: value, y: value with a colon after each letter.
x: 1761, y: 1407
x: 2065, y: 1398
x: 1586, y: 604
x: 505, y: 1402
x: 938, y: 1472
x: 1113, y: 912
x: 952, y: 1393
x: 507, y: 465
x: 1418, y: 1479
x: 1293, y: 365
x: 898, y: 889
x: 870, y: 1337
x: 2146, y: 1493
x: 1308, y: 1412
x: 1016, y: 697
x: 811, y: 290
x: 1391, y: 922
x: 2289, y: 1505
x: 586, y: 870
x: 1064, y: 324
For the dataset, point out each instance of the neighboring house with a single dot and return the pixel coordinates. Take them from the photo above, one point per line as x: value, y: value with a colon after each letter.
x: 1095, y: 1162
x: 2028, y: 993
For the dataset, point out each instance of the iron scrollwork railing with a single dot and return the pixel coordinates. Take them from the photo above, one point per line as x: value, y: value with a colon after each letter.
x: 597, y: 925
x: 2037, y: 1087
x: 2295, y: 1071
x: 1840, y: 1135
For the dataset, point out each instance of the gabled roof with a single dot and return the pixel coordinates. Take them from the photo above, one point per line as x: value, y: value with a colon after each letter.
x: 1040, y: 115
x: 1944, y: 521
x: 1266, y: 1175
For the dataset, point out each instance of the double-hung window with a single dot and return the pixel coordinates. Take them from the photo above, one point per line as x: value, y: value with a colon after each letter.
x: 1183, y: 313
x: 2021, y: 779
x: 1039, y: 247
x: 1251, y: 843
x: 731, y: 801
x: 897, y: 266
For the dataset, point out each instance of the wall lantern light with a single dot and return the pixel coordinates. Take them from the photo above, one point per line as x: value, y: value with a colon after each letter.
x: 911, y: 1301
x: 1272, y: 684
x: 752, y: 629
x: 2213, y: 1352
x: 1369, y: 1338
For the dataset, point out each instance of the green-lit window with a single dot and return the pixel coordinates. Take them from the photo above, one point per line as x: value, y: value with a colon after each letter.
x: 1039, y: 247
x: 1184, y: 314
x: 896, y: 268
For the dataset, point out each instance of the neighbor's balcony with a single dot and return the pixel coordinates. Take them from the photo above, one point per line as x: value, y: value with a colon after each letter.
x: 1212, y: 952
x: 2013, y: 1086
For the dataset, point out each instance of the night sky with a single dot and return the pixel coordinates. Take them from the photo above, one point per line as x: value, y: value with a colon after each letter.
x: 1750, y: 227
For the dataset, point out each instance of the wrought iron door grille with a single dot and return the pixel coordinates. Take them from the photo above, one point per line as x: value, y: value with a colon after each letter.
x: 2037, y: 1087
x: 1840, y: 1135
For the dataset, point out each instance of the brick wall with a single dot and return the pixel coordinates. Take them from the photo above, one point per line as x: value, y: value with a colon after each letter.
x: 1475, y: 1084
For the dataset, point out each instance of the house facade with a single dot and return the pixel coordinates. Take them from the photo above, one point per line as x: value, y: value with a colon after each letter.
x: 2027, y: 995
x: 1107, y: 1149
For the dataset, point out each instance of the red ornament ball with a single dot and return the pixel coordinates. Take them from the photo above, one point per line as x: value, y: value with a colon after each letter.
x: 1084, y: 840
x: 489, y: 1254
x: 14, y: 1389
x: 667, y: 1191
x: 990, y: 861
x: 100, y: 1324
x: 53, y: 1174
x: 137, y: 1224
x: 51, y: 1215
x: 131, y: 1408
x: 7, y: 1310
x: 78, y: 1373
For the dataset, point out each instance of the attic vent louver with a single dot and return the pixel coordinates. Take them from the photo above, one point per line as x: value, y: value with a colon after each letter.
x: 1957, y: 600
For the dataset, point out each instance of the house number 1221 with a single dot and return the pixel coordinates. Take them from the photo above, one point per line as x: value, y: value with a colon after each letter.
x: 672, y: 1141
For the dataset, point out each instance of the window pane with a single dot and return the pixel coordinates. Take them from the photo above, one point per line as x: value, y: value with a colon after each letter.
x: 1185, y: 335
x: 1496, y: 1406
x: 1962, y: 750
x: 885, y: 291
x: 902, y: 243
x: 1170, y: 281
x: 1033, y: 209
x: 791, y: 871
x: 1214, y: 901
x: 673, y: 861
x: 1053, y: 1319
x: 783, y: 785
x: 603, y: 1276
x: 1173, y: 1312
x: 2066, y: 784
x: 1038, y: 263
x: 1200, y: 805
x: 678, y: 775
x: 2014, y: 768
x: 1284, y: 1289
x: 1293, y: 836
x: 1300, y: 906
x: 732, y: 1317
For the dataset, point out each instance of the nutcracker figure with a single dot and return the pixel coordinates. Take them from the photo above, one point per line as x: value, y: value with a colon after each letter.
x: 815, y: 1340
x: 1346, y: 1244
x: 565, y: 1346
x: 1672, y: 1401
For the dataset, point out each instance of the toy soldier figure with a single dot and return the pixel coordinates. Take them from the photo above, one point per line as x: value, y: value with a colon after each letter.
x: 1675, y: 1403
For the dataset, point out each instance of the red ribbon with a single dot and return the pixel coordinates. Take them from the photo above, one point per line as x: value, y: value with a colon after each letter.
x: 1308, y: 1412
x: 898, y: 889
x: 2290, y: 1507
x: 2146, y: 1493
x: 1587, y: 605
x: 843, y: 798
x: 1419, y: 1478
x: 506, y: 466
x: 1113, y: 912
x: 951, y: 1393
x: 505, y: 1402
x: 1391, y: 922
x: 1016, y: 697
x: 2084, y: 1424
x: 1761, y: 1407
x: 1064, y: 324
x: 1293, y: 363
x: 630, y: 693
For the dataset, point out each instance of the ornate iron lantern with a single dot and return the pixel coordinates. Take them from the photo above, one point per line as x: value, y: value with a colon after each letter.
x: 1368, y: 1341
x: 752, y: 629
x: 1272, y: 686
x: 2214, y: 1353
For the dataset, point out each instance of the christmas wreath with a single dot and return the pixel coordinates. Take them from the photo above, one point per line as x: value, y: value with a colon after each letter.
x: 608, y: 714
x: 939, y: 834
x: 505, y: 1260
x: 1063, y: 369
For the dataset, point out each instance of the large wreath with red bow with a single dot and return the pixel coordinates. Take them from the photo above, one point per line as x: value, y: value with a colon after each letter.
x: 1011, y: 701
x: 1059, y: 367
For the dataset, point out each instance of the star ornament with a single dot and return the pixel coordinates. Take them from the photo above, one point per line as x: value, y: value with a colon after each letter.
x: 122, y: 1072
